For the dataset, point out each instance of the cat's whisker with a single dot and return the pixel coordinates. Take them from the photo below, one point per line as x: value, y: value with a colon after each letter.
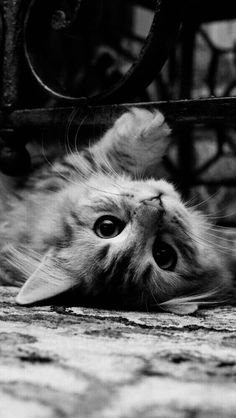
x: 104, y: 164
x: 88, y: 168
x: 222, y: 216
x: 202, y: 300
x: 198, y: 239
x: 78, y: 130
x: 52, y: 165
x: 67, y: 130
x: 220, y: 212
x: 152, y: 292
x: 190, y: 302
x: 80, y: 173
x: 70, y: 180
x: 105, y: 161
x: 69, y: 150
x: 138, y: 175
x: 213, y: 226
x: 217, y: 232
x: 189, y: 203
x: 207, y: 244
x: 221, y: 238
x: 205, y: 200
x: 217, y: 227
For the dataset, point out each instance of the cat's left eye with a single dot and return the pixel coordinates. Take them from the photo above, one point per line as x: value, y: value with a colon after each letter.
x: 164, y: 255
x: 108, y: 226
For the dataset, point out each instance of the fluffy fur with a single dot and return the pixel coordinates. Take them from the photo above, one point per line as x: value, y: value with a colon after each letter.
x: 156, y: 252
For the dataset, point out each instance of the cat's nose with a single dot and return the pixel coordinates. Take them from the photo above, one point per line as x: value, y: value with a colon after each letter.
x: 150, y: 213
x: 155, y: 201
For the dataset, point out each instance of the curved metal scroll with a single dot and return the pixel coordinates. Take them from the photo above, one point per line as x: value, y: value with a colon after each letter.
x: 160, y: 40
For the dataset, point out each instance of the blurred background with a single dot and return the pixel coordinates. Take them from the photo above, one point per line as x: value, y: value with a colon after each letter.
x: 82, y: 48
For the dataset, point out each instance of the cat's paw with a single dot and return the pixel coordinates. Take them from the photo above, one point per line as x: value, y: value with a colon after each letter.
x: 143, y: 136
x: 142, y: 125
x: 136, y: 142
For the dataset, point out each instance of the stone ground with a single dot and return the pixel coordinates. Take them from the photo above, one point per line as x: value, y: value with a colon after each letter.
x: 79, y: 363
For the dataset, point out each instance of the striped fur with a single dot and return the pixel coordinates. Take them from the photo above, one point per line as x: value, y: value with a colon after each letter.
x: 48, y: 231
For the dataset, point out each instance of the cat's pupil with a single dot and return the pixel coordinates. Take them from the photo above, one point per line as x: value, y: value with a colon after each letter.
x: 108, y: 227
x: 164, y: 255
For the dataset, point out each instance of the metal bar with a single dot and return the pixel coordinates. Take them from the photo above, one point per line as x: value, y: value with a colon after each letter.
x: 147, y: 4
x: 186, y: 152
x: 12, y: 33
x: 178, y: 112
x: 154, y: 53
x: 216, y: 182
x: 159, y: 42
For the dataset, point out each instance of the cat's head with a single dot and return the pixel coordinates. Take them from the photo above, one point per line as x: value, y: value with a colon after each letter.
x: 123, y: 243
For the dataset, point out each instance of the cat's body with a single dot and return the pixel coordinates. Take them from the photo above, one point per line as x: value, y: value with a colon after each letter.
x: 99, y: 224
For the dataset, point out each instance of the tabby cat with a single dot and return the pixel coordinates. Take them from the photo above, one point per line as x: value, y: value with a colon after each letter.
x: 96, y: 227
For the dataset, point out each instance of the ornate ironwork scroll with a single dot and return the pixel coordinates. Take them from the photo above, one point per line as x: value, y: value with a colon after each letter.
x: 29, y: 82
x: 163, y: 32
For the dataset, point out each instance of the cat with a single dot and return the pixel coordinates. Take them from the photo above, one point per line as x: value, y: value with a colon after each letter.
x: 97, y: 226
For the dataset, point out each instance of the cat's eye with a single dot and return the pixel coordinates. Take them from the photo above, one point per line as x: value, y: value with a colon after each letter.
x: 108, y: 226
x: 164, y: 255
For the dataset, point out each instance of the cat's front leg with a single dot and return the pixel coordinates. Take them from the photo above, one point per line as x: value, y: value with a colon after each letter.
x: 136, y: 142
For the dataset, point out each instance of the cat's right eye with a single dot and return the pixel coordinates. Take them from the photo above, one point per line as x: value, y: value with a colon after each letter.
x: 108, y: 227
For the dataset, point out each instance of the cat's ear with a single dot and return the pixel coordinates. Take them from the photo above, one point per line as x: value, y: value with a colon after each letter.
x: 47, y: 280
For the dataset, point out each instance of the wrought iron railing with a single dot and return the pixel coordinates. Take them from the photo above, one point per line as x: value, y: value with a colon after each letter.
x: 35, y: 96
x: 28, y: 84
